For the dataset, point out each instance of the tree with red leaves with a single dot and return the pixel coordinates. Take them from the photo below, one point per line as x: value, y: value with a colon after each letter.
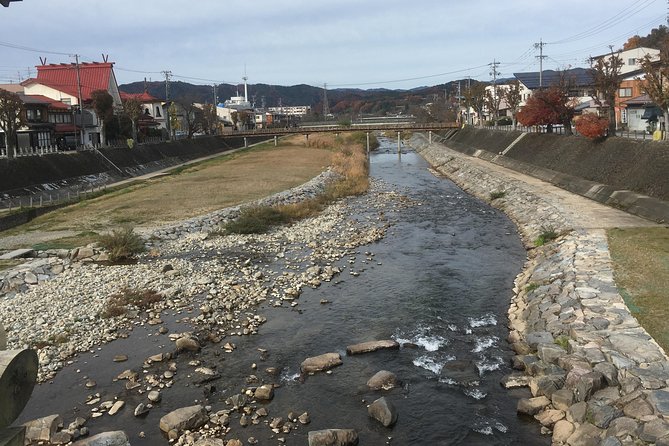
x: 591, y: 125
x: 548, y: 107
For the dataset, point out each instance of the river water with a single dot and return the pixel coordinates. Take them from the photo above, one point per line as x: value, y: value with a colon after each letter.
x: 439, y: 283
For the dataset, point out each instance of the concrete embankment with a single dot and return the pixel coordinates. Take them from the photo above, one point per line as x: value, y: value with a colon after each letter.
x: 595, y: 375
x: 626, y: 174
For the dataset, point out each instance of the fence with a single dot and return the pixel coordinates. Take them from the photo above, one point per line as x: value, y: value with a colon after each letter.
x: 51, y: 198
x: 40, y: 151
x: 559, y: 130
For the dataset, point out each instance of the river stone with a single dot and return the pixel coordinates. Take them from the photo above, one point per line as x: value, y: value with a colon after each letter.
x: 660, y: 400
x: 185, y: 418
x: 611, y: 441
x: 141, y: 409
x: 638, y: 408
x: 546, y: 385
x: 118, y: 405
x: 602, y: 415
x: 622, y: 427
x: 154, y: 396
x: 321, y: 362
x: 234, y: 442
x: 562, y: 399
x: 561, y: 431
x: 654, y: 430
x: 550, y: 353
x: 577, y: 412
x: 264, y: 392
x: 371, y: 346
x: 585, y: 435
x: 539, y: 337
x: 609, y: 371
x: 383, y: 411
x: 532, y: 406
x: 463, y: 371
x: 210, y: 442
x: 115, y: 438
x: 382, y: 379
x: 588, y: 384
x: 187, y: 344
x: 84, y: 253
x: 333, y: 437
x: 549, y: 417
x: 42, y: 429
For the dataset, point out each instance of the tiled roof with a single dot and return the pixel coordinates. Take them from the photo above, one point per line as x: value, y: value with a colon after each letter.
x: 39, y: 99
x: 63, y: 77
x: 13, y: 88
x: 141, y: 97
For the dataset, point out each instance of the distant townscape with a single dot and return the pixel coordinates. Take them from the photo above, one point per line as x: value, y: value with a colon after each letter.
x: 72, y: 105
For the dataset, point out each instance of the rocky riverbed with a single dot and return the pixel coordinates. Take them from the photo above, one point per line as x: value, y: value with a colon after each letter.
x: 596, y: 376
x: 209, y: 283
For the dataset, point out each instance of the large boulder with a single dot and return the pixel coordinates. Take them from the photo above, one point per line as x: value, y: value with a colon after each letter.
x: 382, y: 380
x: 42, y: 429
x: 383, y: 411
x: 186, y: 418
x: 115, y: 438
x: 321, y: 362
x: 372, y: 346
x: 333, y: 437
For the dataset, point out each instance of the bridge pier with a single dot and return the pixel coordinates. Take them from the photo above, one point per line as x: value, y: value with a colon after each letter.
x: 306, y: 136
x: 430, y: 136
x: 276, y: 140
x: 399, y: 143
x: 368, y: 143
x: 246, y: 142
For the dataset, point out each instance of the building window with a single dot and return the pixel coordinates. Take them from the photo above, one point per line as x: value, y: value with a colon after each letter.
x: 631, y: 62
x: 44, y: 139
x: 625, y: 93
x: 33, y: 115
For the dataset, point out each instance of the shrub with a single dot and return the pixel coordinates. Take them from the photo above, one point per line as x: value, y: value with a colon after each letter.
x: 255, y: 220
x: 591, y: 125
x: 117, y: 304
x: 546, y: 236
x: 122, y: 244
x: 497, y: 194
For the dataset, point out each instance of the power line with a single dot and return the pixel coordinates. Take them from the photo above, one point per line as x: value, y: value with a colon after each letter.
x: 410, y: 78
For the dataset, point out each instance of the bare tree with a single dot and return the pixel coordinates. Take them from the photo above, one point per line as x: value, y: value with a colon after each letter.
x: 493, y: 99
x: 474, y: 96
x: 513, y: 98
x: 656, y: 80
x: 12, y: 118
x: 607, y: 79
x: 209, y: 119
x: 133, y: 109
x: 103, y: 104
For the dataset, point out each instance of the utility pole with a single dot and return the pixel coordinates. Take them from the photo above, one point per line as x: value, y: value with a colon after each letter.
x: 215, y: 95
x: 541, y: 58
x: 469, y: 92
x: 168, y: 118
x: 494, y: 74
x: 326, y: 106
x: 81, y: 104
x: 459, y: 104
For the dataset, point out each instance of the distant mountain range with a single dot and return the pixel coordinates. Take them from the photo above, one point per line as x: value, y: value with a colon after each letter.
x: 341, y: 101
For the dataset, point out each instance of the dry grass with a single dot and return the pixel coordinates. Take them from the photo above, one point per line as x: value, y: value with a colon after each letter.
x: 118, y: 304
x: 195, y: 190
x: 641, y: 267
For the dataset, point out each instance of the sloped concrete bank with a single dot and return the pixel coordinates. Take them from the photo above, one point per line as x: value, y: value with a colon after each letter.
x: 596, y: 376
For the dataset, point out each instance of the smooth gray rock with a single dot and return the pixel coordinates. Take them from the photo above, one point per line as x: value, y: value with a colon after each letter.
x: 539, y: 337
x: 333, y: 437
x: 185, y: 418
x: 622, y: 427
x: 372, y: 346
x: 382, y: 379
x: 562, y: 399
x: 383, y: 411
x: 638, y: 408
x: 602, y: 415
x: 321, y: 363
x: 547, y: 385
x: 115, y: 438
x: 654, y: 430
x: 660, y: 400
x: 636, y: 347
x: 585, y: 435
x: 577, y: 412
x: 550, y: 353
x: 187, y: 344
x: 532, y: 406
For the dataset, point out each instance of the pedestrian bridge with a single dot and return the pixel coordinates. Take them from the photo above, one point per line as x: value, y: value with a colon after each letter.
x: 335, y: 128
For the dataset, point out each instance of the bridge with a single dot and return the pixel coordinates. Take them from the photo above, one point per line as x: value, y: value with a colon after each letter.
x: 335, y: 128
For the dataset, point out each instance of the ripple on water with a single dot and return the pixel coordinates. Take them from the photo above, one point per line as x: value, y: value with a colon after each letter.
x: 487, y: 320
x: 432, y: 363
x: 421, y: 336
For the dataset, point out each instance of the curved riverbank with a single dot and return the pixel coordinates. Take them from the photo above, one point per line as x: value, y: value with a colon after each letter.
x: 595, y: 374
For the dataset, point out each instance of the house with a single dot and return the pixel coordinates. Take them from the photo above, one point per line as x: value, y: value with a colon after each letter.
x: 154, y: 115
x: 642, y: 114
x: 579, y: 80
x: 73, y: 84
x: 631, y: 76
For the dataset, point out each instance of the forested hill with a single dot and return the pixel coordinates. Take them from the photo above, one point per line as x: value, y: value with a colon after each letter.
x: 341, y: 101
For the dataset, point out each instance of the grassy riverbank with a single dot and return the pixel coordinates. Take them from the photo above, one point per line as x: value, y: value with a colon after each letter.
x: 641, y: 264
x: 186, y: 192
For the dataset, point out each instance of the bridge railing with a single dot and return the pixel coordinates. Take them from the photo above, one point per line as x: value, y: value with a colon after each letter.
x: 347, y: 128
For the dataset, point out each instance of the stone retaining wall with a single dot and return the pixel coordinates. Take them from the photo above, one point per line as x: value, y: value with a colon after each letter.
x: 596, y: 376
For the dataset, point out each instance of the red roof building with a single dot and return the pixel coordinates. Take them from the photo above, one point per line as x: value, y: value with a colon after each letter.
x: 60, y: 81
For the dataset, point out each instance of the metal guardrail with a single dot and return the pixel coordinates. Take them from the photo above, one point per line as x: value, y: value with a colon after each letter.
x: 344, y: 128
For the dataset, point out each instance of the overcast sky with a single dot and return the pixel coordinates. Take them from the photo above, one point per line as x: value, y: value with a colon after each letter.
x: 356, y: 43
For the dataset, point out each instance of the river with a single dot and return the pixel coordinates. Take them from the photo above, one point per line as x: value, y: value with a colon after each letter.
x: 439, y: 283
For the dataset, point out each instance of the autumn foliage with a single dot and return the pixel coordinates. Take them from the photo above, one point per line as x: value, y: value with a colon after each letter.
x: 591, y: 125
x: 546, y: 107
